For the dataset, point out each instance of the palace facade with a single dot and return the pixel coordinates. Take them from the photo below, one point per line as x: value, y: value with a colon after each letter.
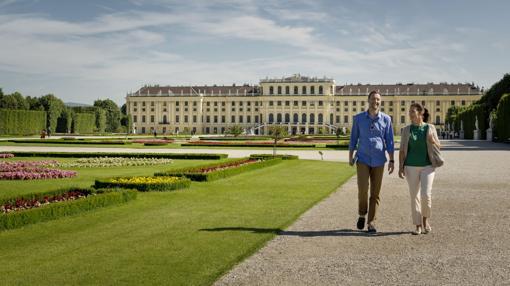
x: 305, y: 105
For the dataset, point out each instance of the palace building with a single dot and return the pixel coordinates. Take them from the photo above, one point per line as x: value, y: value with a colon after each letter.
x: 306, y: 105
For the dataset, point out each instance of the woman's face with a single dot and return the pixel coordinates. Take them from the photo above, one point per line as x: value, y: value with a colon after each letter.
x: 415, y: 115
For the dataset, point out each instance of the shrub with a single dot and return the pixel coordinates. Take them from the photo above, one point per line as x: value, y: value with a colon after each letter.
x: 84, y: 122
x: 218, y: 171
x: 503, y: 118
x: 270, y: 156
x: 145, y: 184
x: 338, y: 146
x: 22, y: 122
x: 93, y: 199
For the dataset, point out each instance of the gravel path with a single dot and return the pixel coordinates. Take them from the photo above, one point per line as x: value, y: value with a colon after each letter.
x: 468, y: 245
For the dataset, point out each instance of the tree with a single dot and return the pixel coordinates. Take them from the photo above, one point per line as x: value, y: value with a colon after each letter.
x: 14, y: 101
x: 54, y: 108
x: 112, y: 114
x: 235, y: 130
x: 277, y: 132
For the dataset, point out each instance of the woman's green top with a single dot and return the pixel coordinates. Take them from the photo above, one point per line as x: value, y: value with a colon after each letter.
x: 417, y: 154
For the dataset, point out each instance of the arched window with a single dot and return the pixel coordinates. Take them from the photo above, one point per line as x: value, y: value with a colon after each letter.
x: 331, y: 118
x: 312, y: 89
x: 321, y: 90
x: 279, y: 90
x: 271, y: 118
x: 287, y: 89
x: 312, y: 118
x: 320, y: 119
x: 303, y: 90
x: 164, y: 119
x: 438, y: 119
x: 279, y: 118
x: 287, y: 118
x: 296, y: 118
x: 271, y: 90
x: 303, y: 118
x: 296, y: 90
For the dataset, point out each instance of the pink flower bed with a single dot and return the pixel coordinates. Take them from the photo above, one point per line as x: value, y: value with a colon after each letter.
x: 6, y: 155
x: 224, y: 166
x: 32, y: 170
x: 25, y: 204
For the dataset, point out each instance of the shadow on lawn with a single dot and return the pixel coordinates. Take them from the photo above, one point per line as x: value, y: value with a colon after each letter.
x: 339, y: 232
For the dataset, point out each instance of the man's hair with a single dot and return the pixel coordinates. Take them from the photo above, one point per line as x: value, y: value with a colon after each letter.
x: 375, y: 91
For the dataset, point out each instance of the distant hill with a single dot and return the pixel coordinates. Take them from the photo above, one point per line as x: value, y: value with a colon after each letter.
x: 75, y: 104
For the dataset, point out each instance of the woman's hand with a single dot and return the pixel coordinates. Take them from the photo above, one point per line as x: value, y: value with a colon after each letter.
x: 401, y: 173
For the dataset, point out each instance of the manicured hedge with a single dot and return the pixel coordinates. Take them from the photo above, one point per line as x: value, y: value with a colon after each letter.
x: 230, y: 138
x: 143, y: 186
x: 22, y: 122
x: 468, y: 116
x: 182, y: 156
x: 268, y: 145
x: 270, y: 156
x: 338, y: 146
x: 195, y: 173
x: 503, y: 118
x: 84, y: 122
x: 70, y: 141
x: 154, y: 144
x: 95, y: 199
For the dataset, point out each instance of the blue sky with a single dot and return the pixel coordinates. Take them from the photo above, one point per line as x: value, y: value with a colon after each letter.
x: 84, y: 50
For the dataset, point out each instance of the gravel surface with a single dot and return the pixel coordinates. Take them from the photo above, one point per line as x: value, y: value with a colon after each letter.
x: 468, y: 244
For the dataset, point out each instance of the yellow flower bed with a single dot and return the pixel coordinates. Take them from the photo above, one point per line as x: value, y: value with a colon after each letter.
x: 146, y: 180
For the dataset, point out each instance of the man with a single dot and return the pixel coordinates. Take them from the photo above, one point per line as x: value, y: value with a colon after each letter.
x: 372, y: 137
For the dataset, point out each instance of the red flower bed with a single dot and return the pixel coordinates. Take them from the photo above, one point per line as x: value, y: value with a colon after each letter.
x: 25, y: 204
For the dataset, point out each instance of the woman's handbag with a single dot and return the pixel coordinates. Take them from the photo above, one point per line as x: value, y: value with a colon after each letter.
x: 433, y: 149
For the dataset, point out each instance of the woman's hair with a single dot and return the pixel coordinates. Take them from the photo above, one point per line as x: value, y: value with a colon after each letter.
x: 421, y: 109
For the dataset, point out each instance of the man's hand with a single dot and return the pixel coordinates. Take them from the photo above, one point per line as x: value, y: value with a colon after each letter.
x: 391, y: 167
x: 401, y: 173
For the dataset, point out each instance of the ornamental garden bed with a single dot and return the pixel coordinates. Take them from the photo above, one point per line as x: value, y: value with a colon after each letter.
x: 153, y: 142
x: 32, y: 170
x: 145, y: 184
x: 71, y: 141
x: 38, y: 207
x: 6, y: 155
x: 231, y: 138
x: 218, y: 171
x: 271, y: 156
x: 181, y: 156
x: 114, y: 162
x: 247, y: 144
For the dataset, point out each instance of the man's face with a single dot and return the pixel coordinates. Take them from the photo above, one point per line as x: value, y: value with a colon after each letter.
x: 374, y: 102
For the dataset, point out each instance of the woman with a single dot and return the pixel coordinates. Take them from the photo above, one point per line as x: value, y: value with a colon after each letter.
x: 418, y: 163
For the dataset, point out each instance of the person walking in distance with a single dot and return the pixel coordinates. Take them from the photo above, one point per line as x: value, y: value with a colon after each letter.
x: 371, y: 138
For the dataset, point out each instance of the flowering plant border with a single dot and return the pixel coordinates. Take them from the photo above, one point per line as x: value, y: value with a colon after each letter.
x: 220, y: 170
x: 145, y: 184
x: 28, y: 211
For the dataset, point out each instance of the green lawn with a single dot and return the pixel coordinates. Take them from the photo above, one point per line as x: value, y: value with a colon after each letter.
x: 187, y: 237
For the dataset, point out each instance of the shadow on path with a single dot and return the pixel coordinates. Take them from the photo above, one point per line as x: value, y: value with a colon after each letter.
x: 339, y: 232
